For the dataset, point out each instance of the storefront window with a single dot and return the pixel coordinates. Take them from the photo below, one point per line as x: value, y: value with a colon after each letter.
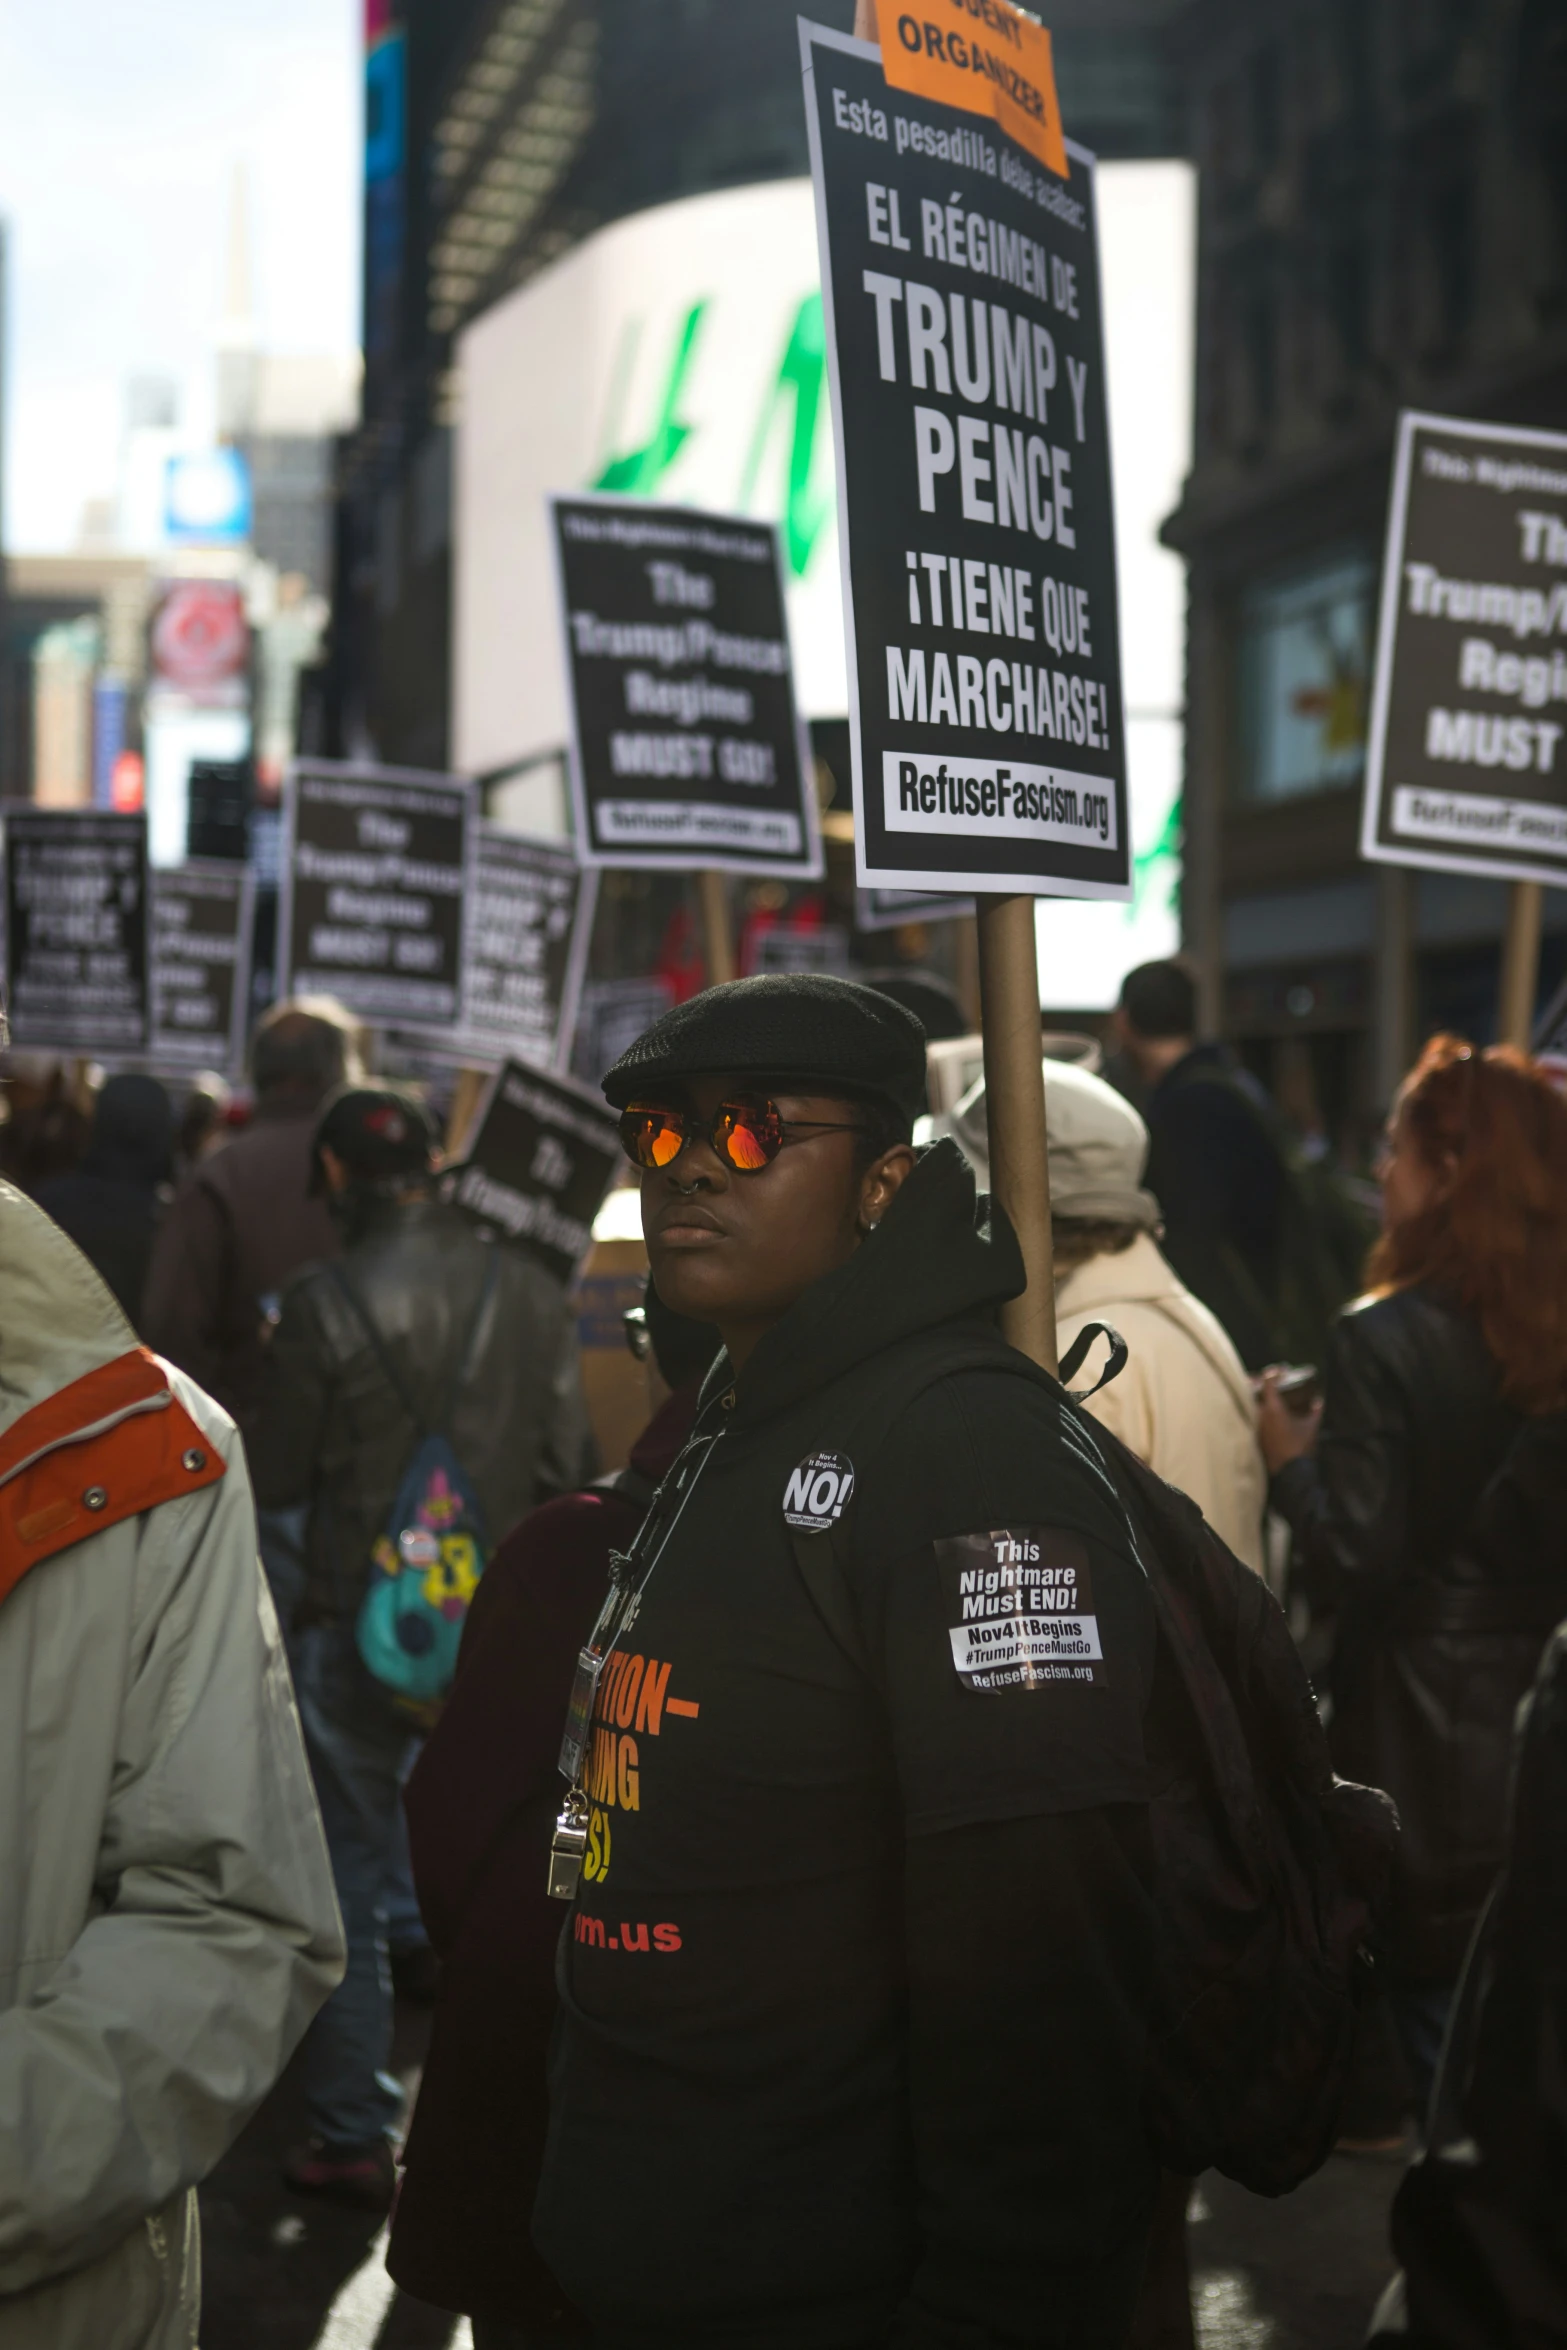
x: 1305, y: 673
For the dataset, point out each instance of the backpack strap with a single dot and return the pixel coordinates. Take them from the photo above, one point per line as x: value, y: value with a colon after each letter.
x: 383, y: 1353
x: 1077, y: 1354
x: 466, y: 1360
x: 378, y: 1345
x: 861, y: 1433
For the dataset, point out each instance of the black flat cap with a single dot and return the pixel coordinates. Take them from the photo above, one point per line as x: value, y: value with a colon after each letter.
x: 799, y: 1024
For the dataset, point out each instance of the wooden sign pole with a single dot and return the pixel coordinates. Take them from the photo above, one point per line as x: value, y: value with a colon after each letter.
x: 466, y: 1096
x: 1520, y: 963
x: 1015, y: 1113
x: 718, y: 943
x: 1014, y: 1074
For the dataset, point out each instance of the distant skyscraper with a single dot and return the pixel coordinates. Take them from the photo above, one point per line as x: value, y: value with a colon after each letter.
x: 152, y: 403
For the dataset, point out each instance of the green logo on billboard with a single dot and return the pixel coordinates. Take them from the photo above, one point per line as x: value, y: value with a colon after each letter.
x: 799, y: 384
x: 1158, y: 868
x: 637, y: 473
x: 795, y: 401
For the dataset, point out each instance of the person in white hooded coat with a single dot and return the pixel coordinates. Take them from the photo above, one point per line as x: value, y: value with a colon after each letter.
x: 167, y: 1921
x: 1183, y: 1402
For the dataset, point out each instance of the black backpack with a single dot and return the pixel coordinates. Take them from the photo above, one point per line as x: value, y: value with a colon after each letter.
x: 1271, y: 1873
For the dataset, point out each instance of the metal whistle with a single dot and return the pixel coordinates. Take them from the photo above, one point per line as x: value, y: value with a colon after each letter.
x: 567, y: 1846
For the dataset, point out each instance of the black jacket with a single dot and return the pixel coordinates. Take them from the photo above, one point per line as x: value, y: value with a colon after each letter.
x: 1220, y: 1181
x: 331, y: 1430
x: 855, y: 1989
x: 1434, y: 1521
x: 1480, y: 2222
x: 240, y: 1224
x: 111, y: 1205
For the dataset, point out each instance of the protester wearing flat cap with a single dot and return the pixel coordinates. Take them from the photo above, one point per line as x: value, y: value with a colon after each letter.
x: 854, y: 1981
x: 1183, y: 1403
x: 423, y: 1318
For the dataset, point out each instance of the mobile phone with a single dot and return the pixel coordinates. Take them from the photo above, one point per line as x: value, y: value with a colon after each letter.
x: 1300, y: 1388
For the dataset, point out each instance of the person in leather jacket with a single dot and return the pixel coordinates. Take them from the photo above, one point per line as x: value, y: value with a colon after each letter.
x: 334, y: 1434
x: 1427, y: 1509
x: 1477, y: 2221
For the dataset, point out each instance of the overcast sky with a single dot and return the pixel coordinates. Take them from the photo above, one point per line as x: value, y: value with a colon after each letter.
x: 121, y: 124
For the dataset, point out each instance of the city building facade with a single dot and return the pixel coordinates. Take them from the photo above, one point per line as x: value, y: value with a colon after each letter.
x: 1382, y: 225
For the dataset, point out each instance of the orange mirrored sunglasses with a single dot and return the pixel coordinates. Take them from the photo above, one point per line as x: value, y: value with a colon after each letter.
x: 747, y: 1133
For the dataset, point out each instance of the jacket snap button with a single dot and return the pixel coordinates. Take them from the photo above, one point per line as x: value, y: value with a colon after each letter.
x: 193, y: 1460
x: 95, y: 1498
x: 728, y: 1403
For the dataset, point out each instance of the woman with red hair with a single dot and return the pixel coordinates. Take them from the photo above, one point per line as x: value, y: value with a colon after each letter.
x: 1429, y: 1507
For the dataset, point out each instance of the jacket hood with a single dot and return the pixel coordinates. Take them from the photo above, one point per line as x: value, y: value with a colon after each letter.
x: 660, y: 1442
x: 1141, y: 1276
x: 1117, y: 1275
x: 58, y: 1321
x: 942, y: 1250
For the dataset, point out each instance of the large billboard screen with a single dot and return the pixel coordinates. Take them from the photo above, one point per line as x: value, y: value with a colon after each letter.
x: 687, y: 364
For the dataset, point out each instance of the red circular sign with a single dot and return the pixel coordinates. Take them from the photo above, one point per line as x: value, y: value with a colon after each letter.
x: 199, y: 639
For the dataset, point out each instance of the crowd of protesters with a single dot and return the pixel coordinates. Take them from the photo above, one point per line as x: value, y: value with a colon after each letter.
x: 844, y: 2041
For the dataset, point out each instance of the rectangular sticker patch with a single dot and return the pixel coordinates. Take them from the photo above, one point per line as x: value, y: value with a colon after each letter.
x: 1022, y: 1609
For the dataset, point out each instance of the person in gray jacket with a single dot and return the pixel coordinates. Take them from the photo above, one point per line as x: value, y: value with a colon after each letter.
x: 167, y: 1921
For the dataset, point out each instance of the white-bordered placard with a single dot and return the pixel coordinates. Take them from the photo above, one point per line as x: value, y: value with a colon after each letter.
x: 960, y: 284
x: 376, y: 878
x: 687, y: 748
x: 1466, y: 752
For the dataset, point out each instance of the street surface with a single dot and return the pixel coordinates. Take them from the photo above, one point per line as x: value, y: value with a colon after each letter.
x: 284, y: 2273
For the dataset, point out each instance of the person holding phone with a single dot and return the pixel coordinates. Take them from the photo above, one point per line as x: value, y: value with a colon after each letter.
x: 1427, y: 1491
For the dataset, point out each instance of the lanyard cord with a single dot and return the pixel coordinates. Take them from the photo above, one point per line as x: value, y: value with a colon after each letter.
x: 619, y: 1611
x: 622, y: 1565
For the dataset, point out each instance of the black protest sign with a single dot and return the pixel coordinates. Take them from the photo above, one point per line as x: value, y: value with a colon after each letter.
x: 613, y: 1014
x: 76, y: 930
x: 530, y: 919
x: 371, y: 907
x: 961, y: 284
x: 891, y: 909
x: 201, y: 919
x: 1465, y: 763
x: 686, y: 747
x: 540, y: 1163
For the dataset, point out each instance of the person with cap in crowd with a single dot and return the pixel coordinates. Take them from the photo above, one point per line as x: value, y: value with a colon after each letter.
x: 425, y: 1325
x: 1183, y: 1401
x: 855, y: 1986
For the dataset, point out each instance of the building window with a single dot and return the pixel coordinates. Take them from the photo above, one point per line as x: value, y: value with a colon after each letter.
x: 1305, y: 666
